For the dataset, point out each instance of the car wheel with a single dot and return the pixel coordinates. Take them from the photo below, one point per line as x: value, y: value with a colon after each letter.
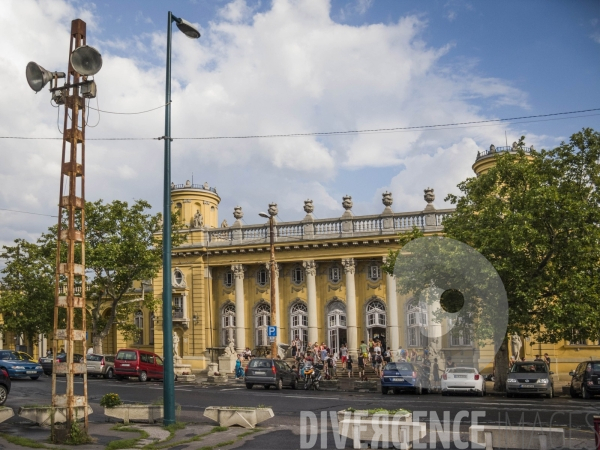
x: 397, y: 391
x: 419, y: 390
x: 509, y: 395
x: 34, y: 378
x: 143, y: 377
x: 249, y: 385
x: 481, y: 393
x: 585, y: 393
x: 119, y: 377
x: 47, y: 373
x: 573, y: 392
x: 109, y: 374
x: 3, y: 394
x: 279, y: 385
x: 294, y: 384
x: 384, y: 390
x: 445, y: 393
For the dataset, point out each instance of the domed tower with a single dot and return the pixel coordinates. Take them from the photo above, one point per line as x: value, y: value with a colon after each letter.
x: 487, y: 159
x: 197, y: 204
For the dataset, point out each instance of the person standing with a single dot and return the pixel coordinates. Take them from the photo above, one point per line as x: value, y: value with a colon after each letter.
x: 294, y: 347
x: 449, y: 363
x: 349, y: 366
x: 239, y: 372
x: 361, y: 365
x: 363, y: 347
x: 378, y: 361
x: 436, y: 373
x: 547, y: 359
x: 344, y: 354
x: 334, y: 360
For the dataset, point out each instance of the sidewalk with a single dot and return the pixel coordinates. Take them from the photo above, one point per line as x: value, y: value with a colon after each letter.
x: 118, y: 436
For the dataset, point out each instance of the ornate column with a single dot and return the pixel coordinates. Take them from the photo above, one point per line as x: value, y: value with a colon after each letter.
x: 311, y: 287
x: 240, y: 313
x: 349, y: 269
x: 392, y: 306
x: 280, y: 335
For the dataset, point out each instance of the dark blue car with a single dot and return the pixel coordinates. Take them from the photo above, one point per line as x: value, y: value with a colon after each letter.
x: 404, y: 376
x: 19, y: 366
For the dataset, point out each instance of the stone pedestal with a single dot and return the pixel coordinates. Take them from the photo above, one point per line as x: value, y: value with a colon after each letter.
x: 182, y: 371
x: 227, y: 364
x: 212, y: 368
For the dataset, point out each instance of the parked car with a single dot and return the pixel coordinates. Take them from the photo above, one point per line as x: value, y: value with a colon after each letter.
x: 132, y: 362
x: 46, y: 361
x: 19, y: 367
x: 404, y: 376
x: 463, y: 379
x: 584, y: 381
x: 530, y: 377
x: 270, y: 372
x: 100, y: 365
x: 25, y: 355
x: 4, y: 385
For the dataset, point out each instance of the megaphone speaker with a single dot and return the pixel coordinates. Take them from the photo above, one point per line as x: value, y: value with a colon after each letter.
x: 37, y: 76
x: 86, y: 60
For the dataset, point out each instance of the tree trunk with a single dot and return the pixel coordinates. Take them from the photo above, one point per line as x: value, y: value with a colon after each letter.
x: 97, y: 344
x: 501, y: 367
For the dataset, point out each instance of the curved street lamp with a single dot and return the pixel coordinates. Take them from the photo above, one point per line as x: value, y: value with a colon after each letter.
x: 169, y: 375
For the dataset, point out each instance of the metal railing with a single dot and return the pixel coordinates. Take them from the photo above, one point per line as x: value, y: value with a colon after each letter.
x: 193, y: 186
x: 501, y: 150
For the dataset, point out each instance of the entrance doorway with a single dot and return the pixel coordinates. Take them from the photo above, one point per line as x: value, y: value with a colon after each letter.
x: 378, y: 334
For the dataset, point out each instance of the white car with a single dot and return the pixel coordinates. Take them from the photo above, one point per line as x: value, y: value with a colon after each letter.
x: 463, y: 379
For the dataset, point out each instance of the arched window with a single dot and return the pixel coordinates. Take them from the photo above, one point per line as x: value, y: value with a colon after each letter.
x: 376, y: 314
x: 228, y: 323
x: 416, y: 322
x: 459, y: 337
x: 151, y: 336
x: 262, y: 319
x: 138, y: 320
x: 262, y: 277
x: 178, y: 277
x: 336, y: 325
x: 299, y: 321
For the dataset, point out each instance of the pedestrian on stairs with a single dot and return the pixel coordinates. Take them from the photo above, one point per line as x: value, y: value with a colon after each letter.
x: 349, y: 366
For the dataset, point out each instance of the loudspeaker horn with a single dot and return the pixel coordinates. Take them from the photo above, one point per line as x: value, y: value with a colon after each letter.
x: 38, y: 77
x: 86, y: 60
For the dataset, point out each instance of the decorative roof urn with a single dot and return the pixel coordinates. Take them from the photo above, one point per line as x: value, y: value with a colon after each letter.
x: 387, y: 200
x: 273, y: 210
x: 308, y: 206
x: 237, y: 212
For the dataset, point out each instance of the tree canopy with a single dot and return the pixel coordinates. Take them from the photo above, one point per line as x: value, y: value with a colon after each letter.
x: 122, y: 247
x: 535, y: 216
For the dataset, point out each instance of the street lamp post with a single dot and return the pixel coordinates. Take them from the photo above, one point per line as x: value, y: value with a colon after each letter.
x: 169, y: 374
x: 271, y: 217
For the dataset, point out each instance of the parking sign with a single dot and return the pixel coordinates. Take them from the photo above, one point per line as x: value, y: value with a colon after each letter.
x: 272, y: 331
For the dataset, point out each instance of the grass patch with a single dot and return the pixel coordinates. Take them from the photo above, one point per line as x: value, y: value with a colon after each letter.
x: 248, y: 433
x: 219, y: 429
x: 172, y: 428
x: 126, y: 443
x: 225, y: 443
x: 23, y: 442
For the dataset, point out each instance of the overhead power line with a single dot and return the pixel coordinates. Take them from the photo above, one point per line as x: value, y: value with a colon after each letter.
x: 471, y: 124
x: 26, y: 212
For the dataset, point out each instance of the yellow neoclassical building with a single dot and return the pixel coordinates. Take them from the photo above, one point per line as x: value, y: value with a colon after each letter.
x: 329, y: 287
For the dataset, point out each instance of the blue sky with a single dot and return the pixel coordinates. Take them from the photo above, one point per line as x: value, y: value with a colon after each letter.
x: 296, y: 66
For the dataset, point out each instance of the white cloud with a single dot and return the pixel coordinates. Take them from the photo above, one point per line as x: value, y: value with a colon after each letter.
x: 595, y: 37
x: 290, y: 69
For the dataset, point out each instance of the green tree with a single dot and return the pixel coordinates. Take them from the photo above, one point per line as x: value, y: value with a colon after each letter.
x: 26, y: 291
x: 123, y: 246
x: 536, y: 217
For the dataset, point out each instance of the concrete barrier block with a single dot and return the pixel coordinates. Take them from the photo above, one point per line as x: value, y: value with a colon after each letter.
x: 496, y: 436
x: 135, y: 413
x: 381, y: 431
x: 42, y: 415
x: 228, y: 416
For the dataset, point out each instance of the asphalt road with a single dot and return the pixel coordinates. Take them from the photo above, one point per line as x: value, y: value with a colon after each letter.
x: 288, y: 405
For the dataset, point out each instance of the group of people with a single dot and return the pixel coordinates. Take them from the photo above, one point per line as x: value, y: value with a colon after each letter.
x: 545, y: 358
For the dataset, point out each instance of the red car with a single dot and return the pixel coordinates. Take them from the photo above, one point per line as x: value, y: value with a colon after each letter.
x: 132, y: 362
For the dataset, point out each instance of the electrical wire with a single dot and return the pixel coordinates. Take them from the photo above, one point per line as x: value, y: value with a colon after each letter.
x: 473, y: 124
x: 129, y: 113
x: 26, y: 212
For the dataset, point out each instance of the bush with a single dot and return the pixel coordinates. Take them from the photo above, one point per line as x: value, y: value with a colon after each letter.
x: 110, y: 400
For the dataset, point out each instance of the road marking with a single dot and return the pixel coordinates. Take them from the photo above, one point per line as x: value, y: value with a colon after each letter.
x: 313, y: 397
x: 232, y: 389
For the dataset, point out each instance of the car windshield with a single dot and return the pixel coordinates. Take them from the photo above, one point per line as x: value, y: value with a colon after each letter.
x: 94, y: 357
x: 530, y: 368
x: 11, y: 356
x: 399, y: 366
x: 266, y: 363
x: 462, y: 370
x: 126, y: 356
